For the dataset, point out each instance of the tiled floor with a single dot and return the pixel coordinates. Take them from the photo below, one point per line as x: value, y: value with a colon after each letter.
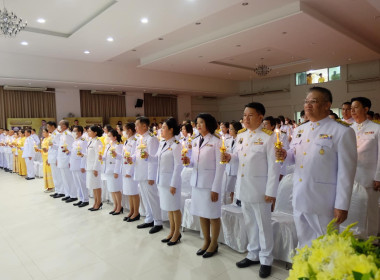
x: 45, y: 238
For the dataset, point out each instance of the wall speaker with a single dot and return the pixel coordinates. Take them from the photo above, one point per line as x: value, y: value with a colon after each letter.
x: 139, y: 103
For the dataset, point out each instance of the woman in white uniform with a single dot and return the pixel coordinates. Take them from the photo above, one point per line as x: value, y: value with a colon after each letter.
x: 111, y: 169
x: 206, y: 181
x: 93, y: 165
x: 169, y: 178
x: 130, y: 186
x: 186, y: 141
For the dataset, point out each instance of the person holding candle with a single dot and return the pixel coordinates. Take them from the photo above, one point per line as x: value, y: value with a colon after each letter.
x: 28, y: 154
x: 111, y: 168
x: 48, y: 177
x: 169, y: 178
x: 78, y: 164
x: 21, y: 160
x: 186, y: 142
x: 93, y: 165
x: 130, y: 186
x: 206, y: 182
x: 146, y: 173
x: 257, y: 180
x: 15, y: 153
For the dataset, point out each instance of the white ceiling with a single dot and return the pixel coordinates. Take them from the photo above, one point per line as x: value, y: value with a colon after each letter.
x: 290, y: 35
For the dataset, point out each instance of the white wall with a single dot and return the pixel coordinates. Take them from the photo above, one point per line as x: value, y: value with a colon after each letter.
x: 184, y: 107
x: 130, y: 100
x: 204, y: 105
x: 67, y: 101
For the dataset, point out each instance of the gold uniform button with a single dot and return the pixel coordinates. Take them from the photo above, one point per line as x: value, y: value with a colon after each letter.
x: 245, y: 154
x: 312, y: 128
x: 308, y: 140
x: 304, y: 153
x: 358, y: 137
x: 301, y: 166
x: 300, y: 180
x: 317, y: 123
x: 242, y: 175
x: 246, y: 144
x: 243, y: 165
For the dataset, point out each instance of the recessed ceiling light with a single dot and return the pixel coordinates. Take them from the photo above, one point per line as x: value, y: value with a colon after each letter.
x: 244, y: 3
x: 110, y: 39
x: 160, y: 39
x: 134, y: 50
x: 144, y: 20
x: 41, y: 20
x: 24, y: 43
x: 198, y: 23
x: 238, y: 46
x: 86, y: 52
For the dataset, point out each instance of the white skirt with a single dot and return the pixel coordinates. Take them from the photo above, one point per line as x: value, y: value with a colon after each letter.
x: 130, y: 186
x: 202, y: 206
x: 113, y: 185
x: 92, y: 182
x: 169, y: 202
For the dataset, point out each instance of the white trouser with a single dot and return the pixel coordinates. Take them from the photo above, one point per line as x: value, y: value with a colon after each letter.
x: 57, y: 178
x: 257, y: 219
x: 10, y: 161
x: 30, y: 168
x: 79, y: 179
x: 310, y: 226
x: 151, y: 200
x: 1, y: 159
x: 372, y: 211
x: 68, y: 183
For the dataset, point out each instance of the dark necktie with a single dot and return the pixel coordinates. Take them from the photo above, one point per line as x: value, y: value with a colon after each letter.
x: 163, y: 146
x: 201, y: 142
x: 233, y: 142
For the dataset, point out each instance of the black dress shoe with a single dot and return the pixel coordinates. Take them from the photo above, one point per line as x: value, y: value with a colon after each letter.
x: 60, y: 195
x: 71, y: 200
x: 155, y: 229
x: 200, y: 252
x: 126, y: 218
x: 66, y: 198
x: 265, y: 271
x: 96, y: 209
x: 78, y: 203
x: 145, y: 225
x: 172, y: 243
x: 246, y: 262
x: 83, y: 204
x: 134, y: 219
x: 210, y: 254
x: 111, y: 212
x: 54, y: 194
x: 166, y: 240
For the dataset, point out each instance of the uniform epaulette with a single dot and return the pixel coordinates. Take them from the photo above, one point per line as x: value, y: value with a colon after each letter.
x: 82, y: 139
x: 151, y: 134
x: 267, y: 131
x: 242, y: 130
x: 376, y: 121
x: 181, y: 138
x: 217, y: 135
x: 176, y: 141
x: 343, y: 123
x: 134, y: 139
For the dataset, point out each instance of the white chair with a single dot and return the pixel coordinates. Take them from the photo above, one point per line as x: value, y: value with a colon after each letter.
x: 188, y: 220
x: 284, y: 229
x: 357, y: 211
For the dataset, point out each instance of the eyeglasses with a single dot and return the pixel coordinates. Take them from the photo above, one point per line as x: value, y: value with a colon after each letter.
x: 311, y: 101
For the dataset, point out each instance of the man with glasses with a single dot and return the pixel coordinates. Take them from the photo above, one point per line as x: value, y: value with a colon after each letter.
x: 324, y: 153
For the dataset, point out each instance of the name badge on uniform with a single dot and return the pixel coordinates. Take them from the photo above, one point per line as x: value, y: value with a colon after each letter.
x: 258, y: 142
x: 170, y: 149
x: 325, y: 136
x: 369, y: 132
x: 241, y: 141
x: 209, y: 145
x: 284, y: 132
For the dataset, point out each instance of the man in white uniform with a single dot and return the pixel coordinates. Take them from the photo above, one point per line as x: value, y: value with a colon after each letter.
x: 146, y: 173
x: 346, y: 113
x: 8, y: 150
x: 63, y: 162
x: 28, y: 154
x: 368, y: 168
x: 257, y: 178
x: 2, y: 137
x: 324, y: 153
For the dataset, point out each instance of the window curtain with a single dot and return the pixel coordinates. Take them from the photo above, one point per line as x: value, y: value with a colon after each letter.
x: 98, y: 105
x: 26, y: 104
x: 160, y: 106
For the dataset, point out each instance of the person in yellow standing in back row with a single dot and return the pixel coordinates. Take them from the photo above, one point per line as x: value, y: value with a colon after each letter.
x: 21, y: 160
x: 48, y: 177
x: 15, y: 154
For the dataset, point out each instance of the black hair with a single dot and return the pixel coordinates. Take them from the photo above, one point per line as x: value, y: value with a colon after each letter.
x: 23, y: 131
x: 335, y: 115
x: 115, y: 134
x: 66, y: 123
x: 43, y: 121
x: 131, y: 126
x: 347, y: 103
x: 302, y: 113
x: 172, y: 123
x: 260, y: 109
x: 33, y: 129
x: 210, y: 121
x: 51, y: 123
x: 143, y: 120
x: 188, y: 127
x: 45, y: 129
x: 109, y: 127
x: 271, y: 120
x: 326, y: 93
x: 76, y: 121
x: 120, y: 126
x: 79, y: 128
x: 97, y: 130
x: 277, y: 120
x: 364, y: 101
x: 371, y: 113
x: 226, y: 124
x: 237, y: 125
x: 29, y: 131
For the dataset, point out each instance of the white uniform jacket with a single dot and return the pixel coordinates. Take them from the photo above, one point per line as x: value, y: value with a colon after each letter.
x: 368, y: 145
x: 325, y: 158
x: 207, y: 171
x: 94, y: 146
x: 233, y: 166
x: 169, y: 165
x: 53, y: 150
x: 28, y: 149
x: 258, y: 173
x: 77, y: 162
x: 130, y: 147
x: 63, y: 159
x: 112, y: 165
x: 146, y: 169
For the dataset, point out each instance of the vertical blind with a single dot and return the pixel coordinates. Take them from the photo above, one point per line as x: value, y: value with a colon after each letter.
x: 160, y: 106
x: 26, y: 104
x: 98, y: 105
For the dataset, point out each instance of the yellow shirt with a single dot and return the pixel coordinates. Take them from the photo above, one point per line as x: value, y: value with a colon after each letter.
x: 321, y: 80
x: 309, y: 80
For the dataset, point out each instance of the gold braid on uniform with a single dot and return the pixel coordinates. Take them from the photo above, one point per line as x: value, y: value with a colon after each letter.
x: 267, y: 131
x: 176, y: 141
x: 242, y: 130
x: 376, y: 121
x: 217, y: 135
x: 343, y: 123
x: 151, y: 134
